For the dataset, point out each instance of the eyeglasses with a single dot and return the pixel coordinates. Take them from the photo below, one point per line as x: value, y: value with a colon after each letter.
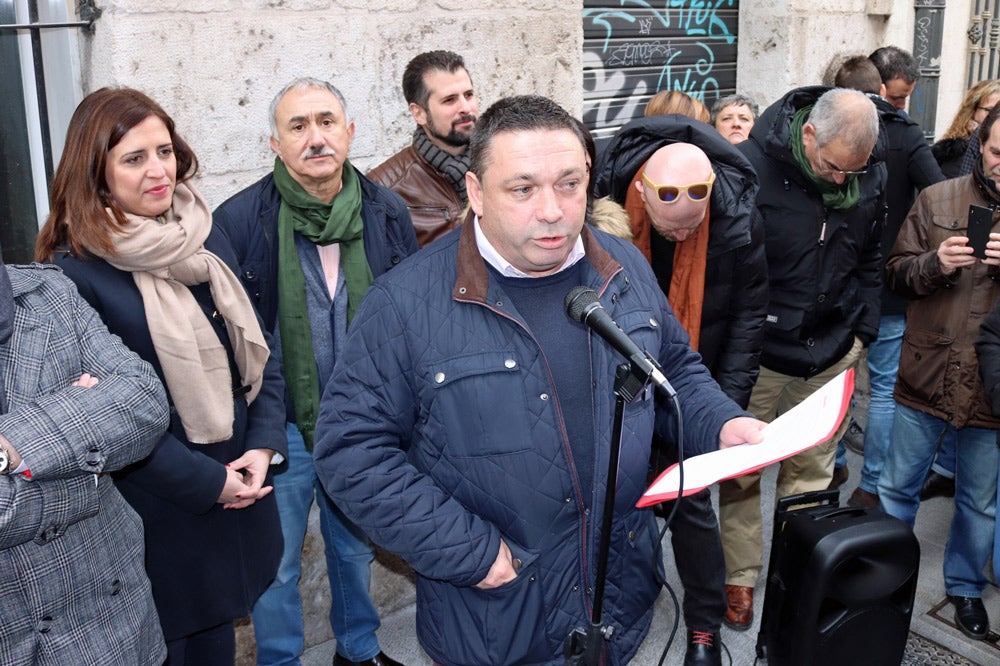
x: 843, y: 172
x: 671, y: 193
x: 987, y: 109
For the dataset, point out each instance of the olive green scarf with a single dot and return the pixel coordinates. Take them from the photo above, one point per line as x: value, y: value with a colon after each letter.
x: 321, y: 224
x: 838, y: 197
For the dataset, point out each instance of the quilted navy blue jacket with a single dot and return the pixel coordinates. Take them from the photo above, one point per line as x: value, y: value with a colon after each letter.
x: 440, y: 433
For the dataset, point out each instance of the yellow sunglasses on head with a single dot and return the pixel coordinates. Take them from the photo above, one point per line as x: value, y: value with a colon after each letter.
x: 671, y: 193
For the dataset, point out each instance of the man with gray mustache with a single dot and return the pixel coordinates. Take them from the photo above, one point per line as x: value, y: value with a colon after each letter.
x: 310, y: 238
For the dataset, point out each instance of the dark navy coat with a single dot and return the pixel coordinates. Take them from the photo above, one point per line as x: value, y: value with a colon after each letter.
x: 441, y: 432
x: 207, y: 565
x: 250, y: 221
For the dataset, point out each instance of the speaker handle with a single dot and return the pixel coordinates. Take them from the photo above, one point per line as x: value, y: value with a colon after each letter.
x: 814, y: 497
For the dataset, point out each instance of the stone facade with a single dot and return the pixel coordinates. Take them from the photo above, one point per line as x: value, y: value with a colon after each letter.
x: 788, y: 43
x: 215, y: 66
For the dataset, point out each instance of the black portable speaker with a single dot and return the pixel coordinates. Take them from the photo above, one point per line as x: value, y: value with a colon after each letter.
x: 840, y: 585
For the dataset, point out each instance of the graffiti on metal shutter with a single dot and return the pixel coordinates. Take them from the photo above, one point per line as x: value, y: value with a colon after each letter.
x: 635, y: 48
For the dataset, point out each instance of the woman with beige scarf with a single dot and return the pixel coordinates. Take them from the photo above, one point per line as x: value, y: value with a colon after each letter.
x: 135, y: 236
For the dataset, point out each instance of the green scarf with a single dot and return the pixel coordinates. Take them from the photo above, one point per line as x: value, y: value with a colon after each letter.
x: 321, y: 224
x: 838, y: 197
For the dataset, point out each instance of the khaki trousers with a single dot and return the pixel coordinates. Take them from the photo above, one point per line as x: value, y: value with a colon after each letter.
x: 739, y: 498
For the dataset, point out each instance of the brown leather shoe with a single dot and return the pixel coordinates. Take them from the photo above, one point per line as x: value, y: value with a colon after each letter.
x: 739, y: 610
x: 840, y: 475
x: 862, y: 499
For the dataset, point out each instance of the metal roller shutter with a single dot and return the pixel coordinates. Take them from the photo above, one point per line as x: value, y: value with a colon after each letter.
x: 632, y: 49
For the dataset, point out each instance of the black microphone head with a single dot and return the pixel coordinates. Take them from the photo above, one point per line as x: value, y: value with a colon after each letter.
x: 579, y: 302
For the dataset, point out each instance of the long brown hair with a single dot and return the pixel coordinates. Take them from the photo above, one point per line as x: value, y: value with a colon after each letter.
x: 961, y: 124
x: 80, y: 195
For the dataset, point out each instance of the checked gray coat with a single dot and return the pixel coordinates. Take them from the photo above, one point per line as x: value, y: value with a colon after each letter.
x: 73, y: 589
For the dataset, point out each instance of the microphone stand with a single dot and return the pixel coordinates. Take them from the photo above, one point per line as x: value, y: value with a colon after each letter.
x: 583, y: 645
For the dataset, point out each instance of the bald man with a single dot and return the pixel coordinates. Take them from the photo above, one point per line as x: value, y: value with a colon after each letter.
x: 675, y: 189
x: 690, y: 196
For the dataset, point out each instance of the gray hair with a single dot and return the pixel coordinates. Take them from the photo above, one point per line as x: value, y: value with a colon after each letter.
x: 848, y: 115
x: 302, y: 83
x: 736, y: 99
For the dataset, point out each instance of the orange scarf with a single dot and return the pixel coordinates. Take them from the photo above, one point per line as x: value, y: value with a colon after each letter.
x: 687, y: 282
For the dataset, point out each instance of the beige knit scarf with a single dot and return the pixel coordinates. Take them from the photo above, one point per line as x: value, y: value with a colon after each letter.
x: 165, y: 256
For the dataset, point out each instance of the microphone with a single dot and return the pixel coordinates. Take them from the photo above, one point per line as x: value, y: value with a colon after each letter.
x: 583, y: 305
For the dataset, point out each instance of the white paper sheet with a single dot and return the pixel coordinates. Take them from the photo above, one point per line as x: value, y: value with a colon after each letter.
x: 812, y: 421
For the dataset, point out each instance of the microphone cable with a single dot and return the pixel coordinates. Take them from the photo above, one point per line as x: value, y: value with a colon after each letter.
x: 658, y: 552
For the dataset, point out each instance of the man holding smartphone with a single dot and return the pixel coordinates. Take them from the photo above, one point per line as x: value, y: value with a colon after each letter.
x: 939, y: 392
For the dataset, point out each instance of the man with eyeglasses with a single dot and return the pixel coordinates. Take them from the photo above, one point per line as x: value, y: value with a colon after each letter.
x: 689, y: 194
x: 910, y: 167
x: 819, y: 158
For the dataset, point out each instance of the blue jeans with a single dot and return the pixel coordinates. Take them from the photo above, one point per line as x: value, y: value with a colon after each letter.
x: 944, y: 464
x: 883, y: 364
x: 277, y: 615
x: 915, y: 436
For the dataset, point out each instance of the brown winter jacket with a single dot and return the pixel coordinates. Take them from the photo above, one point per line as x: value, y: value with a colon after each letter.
x: 435, y: 208
x: 938, y: 369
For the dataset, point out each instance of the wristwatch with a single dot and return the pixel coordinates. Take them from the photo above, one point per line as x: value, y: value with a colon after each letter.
x: 4, y: 461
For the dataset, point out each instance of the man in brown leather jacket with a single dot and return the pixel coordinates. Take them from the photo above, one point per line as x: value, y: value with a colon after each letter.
x: 429, y: 174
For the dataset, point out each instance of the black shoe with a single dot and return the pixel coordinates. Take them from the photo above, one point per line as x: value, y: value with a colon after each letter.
x: 703, y: 649
x: 971, y: 617
x: 381, y: 659
x: 937, y: 485
x: 840, y: 475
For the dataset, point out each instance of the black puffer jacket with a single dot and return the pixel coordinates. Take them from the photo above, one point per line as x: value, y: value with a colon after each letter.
x: 949, y: 154
x: 910, y: 167
x: 824, y: 265
x: 732, y: 318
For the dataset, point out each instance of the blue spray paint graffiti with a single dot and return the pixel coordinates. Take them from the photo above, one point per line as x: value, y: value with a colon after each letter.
x: 634, y: 48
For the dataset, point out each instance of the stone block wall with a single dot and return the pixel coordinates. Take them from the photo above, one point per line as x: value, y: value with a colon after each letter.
x: 214, y: 66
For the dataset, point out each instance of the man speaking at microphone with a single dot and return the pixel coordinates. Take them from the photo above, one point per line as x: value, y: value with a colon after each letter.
x: 469, y: 423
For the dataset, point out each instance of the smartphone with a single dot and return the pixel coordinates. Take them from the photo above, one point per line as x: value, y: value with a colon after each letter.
x: 980, y: 223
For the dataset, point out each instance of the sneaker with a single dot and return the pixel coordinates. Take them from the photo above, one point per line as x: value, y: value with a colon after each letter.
x: 854, y: 438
